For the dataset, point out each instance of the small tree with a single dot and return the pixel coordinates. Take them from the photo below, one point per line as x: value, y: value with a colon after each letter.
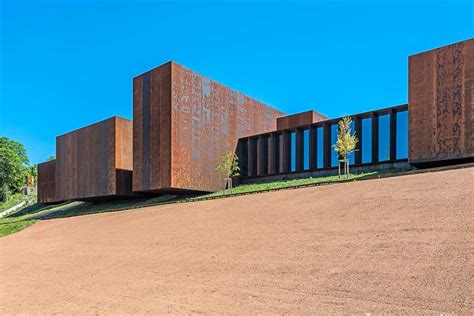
x: 229, y: 167
x: 346, y: 141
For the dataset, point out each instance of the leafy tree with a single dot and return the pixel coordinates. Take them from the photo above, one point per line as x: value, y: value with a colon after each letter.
x: 229, y: 166
x: 346, y: 141
x: 13, y: 167
x: 51, y: 158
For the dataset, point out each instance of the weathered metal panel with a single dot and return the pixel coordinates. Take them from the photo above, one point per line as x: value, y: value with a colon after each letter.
x: 46, y: 182
x: 441, y: 108
x: 88, y: 159
x: 152, y: 130
x: 192, y: 121
x: 299, y: 119
x: 207, y: 119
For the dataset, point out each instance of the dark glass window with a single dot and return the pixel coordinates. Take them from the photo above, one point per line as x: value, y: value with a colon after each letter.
x: 293, y: 151
x: 402, y: 135
x: 384, y: 137
x: 366, y: 145
x: 306, y: 149
x: 319, y: 148
x: 334, y: 154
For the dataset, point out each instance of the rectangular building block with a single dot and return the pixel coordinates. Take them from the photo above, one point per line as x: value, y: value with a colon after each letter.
x: 95, y: 161
x: 47, y: 182
x: 441, y: 105
x: 183, y: 123
x: 299, y: 119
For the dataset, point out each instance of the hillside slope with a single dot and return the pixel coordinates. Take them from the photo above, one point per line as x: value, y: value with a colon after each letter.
x: 402, y: 244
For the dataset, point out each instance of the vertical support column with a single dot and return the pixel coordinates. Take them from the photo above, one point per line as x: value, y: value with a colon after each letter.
x: 327, y: 145
x: 281, y: 157
x: 375, y: 137
x: 393, y: 134
x: 271, y: 154
x: 286, y: 151
x: 276, y: 152
x: 313, y: 145
x: 260, y: 156
x: 358, y: 131
x: 250, y: 165
x: 299, y: 156
x: 266, y: 154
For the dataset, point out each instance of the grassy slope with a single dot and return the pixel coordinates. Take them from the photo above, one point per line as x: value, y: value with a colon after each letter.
x: 248, y: 188
x: 12, y: 201
x: 12, y: 225
x: 20, y: 219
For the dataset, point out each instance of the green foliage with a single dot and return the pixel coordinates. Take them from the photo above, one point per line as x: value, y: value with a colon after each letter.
x: 346, y: 141
x: 12, y: 225
x: 281, y: 184
x: 229, y: 164
x: 51, y: 158
x: 13, y: 167
x: 12, y: 201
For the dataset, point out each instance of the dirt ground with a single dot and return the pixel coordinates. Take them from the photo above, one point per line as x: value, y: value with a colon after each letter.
x: 395, y: 245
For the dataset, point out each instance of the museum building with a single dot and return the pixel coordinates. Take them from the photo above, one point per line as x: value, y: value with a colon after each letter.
x: 183, y: 122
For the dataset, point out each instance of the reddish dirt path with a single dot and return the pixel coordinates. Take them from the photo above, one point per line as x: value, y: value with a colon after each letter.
x: 401, y: 244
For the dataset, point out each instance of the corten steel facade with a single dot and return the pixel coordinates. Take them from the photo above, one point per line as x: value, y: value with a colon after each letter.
x: 47, y: 182
x: 94, y: 161
x: 441, y: 89
x: 299, y: 119
x: 183, y: 122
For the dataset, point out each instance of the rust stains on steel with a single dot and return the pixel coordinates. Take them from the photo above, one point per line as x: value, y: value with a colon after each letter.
x: 47, y: 182
x: 192, y: 121
x: 441, y: 108
x: 94, y: 161
x: 299, y: 119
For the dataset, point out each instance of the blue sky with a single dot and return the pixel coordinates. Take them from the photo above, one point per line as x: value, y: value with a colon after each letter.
x: 66, y: 64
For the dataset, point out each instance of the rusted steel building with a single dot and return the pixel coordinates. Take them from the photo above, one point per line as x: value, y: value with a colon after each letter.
x: 304, y: 150
x: 183, y: 122
x: 47, y: 182
x: 434, y: 128
x: 441, y: 104
x: 92, y: 162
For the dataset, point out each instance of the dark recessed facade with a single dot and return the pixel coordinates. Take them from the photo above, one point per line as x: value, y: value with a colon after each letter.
x: 183, y: 122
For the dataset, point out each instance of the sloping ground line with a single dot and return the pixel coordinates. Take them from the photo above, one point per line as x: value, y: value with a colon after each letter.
x: 373, y: 177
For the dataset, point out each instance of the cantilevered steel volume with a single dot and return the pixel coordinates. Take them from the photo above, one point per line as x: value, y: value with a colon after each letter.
x: 183, y: 122
x: 93, y: 162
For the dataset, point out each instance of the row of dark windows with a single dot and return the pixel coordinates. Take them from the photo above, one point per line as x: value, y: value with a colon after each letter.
x: 291, y: 151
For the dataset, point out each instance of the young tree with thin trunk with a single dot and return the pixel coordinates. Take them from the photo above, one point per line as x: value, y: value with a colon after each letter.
x: 229, y: 167
x: 346, y: 141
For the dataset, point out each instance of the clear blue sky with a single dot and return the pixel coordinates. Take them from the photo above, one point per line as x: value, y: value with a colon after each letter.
x: 66, y: 64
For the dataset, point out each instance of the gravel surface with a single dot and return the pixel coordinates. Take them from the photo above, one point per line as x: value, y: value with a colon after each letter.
x: 395, y: 245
